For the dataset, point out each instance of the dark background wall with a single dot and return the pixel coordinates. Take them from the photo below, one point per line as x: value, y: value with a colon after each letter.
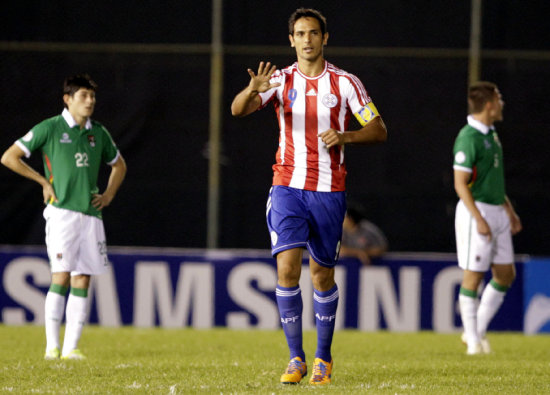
x: 156, y: 106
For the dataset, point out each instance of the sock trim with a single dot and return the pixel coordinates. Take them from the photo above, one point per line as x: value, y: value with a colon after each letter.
x: 468, y: 292
x: 58, y: 289
x: 287, y: 292
x: 326, y: 296
x: 498, y: 287
x: 82, y: 292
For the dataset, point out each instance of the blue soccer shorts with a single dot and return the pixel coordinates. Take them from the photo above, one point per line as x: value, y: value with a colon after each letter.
x: 297, y: 218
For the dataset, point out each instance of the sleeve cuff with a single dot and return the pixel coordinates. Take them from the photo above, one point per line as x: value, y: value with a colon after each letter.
x: 115, y: 159
x: 462, y: 168
x: 23, y: 148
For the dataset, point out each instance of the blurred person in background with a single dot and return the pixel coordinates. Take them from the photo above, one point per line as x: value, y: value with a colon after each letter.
x: 361, y: 238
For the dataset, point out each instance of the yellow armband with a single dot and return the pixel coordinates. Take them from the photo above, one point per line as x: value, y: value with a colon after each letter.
x: 367, y: 114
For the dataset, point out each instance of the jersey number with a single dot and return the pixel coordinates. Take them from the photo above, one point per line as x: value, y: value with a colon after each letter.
x: 292, y: 95
x: 81, y: 159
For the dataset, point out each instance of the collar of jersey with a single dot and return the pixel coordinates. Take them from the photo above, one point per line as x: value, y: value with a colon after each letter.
x: 312, y: 78
x: 71, y: 122
x: 479, y: 125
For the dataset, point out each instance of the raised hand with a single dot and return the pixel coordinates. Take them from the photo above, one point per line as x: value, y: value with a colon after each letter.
x: 259, y: 82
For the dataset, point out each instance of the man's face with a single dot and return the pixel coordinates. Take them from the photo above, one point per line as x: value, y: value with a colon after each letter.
x: 497, y: 105
x: 82, y: 103
x: 308, y: 39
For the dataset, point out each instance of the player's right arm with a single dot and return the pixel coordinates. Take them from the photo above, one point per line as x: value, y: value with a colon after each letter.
x: 461, y: 180
x: 248, y: 100
x: 13, y: 160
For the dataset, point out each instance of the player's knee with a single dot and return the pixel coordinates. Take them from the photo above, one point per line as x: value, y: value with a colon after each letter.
x: 288, y: 275
x: 61, y: 278
x: 80, y: 281
x: 505, y: 275
x: 323, y: 280
x: 505, y: 280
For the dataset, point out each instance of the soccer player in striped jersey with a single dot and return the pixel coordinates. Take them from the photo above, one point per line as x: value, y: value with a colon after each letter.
x: 314, y: 101
x: 485, y: 218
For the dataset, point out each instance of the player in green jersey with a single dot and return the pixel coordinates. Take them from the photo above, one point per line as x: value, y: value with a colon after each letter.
x: 485, y: 219
x: 73, y: 147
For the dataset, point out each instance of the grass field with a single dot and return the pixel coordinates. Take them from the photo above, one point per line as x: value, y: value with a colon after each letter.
x: 164, y: 361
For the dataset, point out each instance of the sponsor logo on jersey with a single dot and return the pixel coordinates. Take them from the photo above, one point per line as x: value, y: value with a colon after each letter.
x: 91, y: 140
x: 311, y: 92
x: 330, y: 100
x: 28, y: 137
x: 65, y: 138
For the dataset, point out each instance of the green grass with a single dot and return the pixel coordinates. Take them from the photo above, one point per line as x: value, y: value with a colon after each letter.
x: 169, y: 361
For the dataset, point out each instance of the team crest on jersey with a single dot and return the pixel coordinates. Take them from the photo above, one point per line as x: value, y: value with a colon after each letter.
x: 91, y: 140
x: 59, y: 256
x: 330, y: 100
x: 65, y: 138
x: 487, y: 144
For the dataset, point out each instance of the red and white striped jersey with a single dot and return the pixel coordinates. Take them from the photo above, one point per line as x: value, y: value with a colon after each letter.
x: 305, y: 107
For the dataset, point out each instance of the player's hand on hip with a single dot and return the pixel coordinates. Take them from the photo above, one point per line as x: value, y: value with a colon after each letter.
x: 100, y: 201
x: 49, y: 194
x: 332, y: 137
x: 259, y: 82
x: 484, y: 229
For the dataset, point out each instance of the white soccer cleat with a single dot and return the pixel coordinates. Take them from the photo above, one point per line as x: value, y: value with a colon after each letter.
x: 474, y: 349
x: 485, y: 346
x: 75, y: 355
x: 52, y: 354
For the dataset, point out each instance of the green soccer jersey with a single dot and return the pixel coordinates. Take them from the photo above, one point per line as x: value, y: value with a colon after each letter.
x: 477, y: 149
x: 72, y: 157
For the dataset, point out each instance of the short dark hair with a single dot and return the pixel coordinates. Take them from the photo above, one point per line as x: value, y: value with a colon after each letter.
x: 72, y: 84
x: 305, y: 13
x: 479, y: 94
x: 75, y: 82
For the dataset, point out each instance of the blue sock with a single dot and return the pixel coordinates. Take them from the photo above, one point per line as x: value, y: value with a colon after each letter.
x: 325, y: 305
x: 289, y: 301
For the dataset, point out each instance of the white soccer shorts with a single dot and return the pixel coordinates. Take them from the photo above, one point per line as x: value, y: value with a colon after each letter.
x: 475, y: 252
x: 75, y: 242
